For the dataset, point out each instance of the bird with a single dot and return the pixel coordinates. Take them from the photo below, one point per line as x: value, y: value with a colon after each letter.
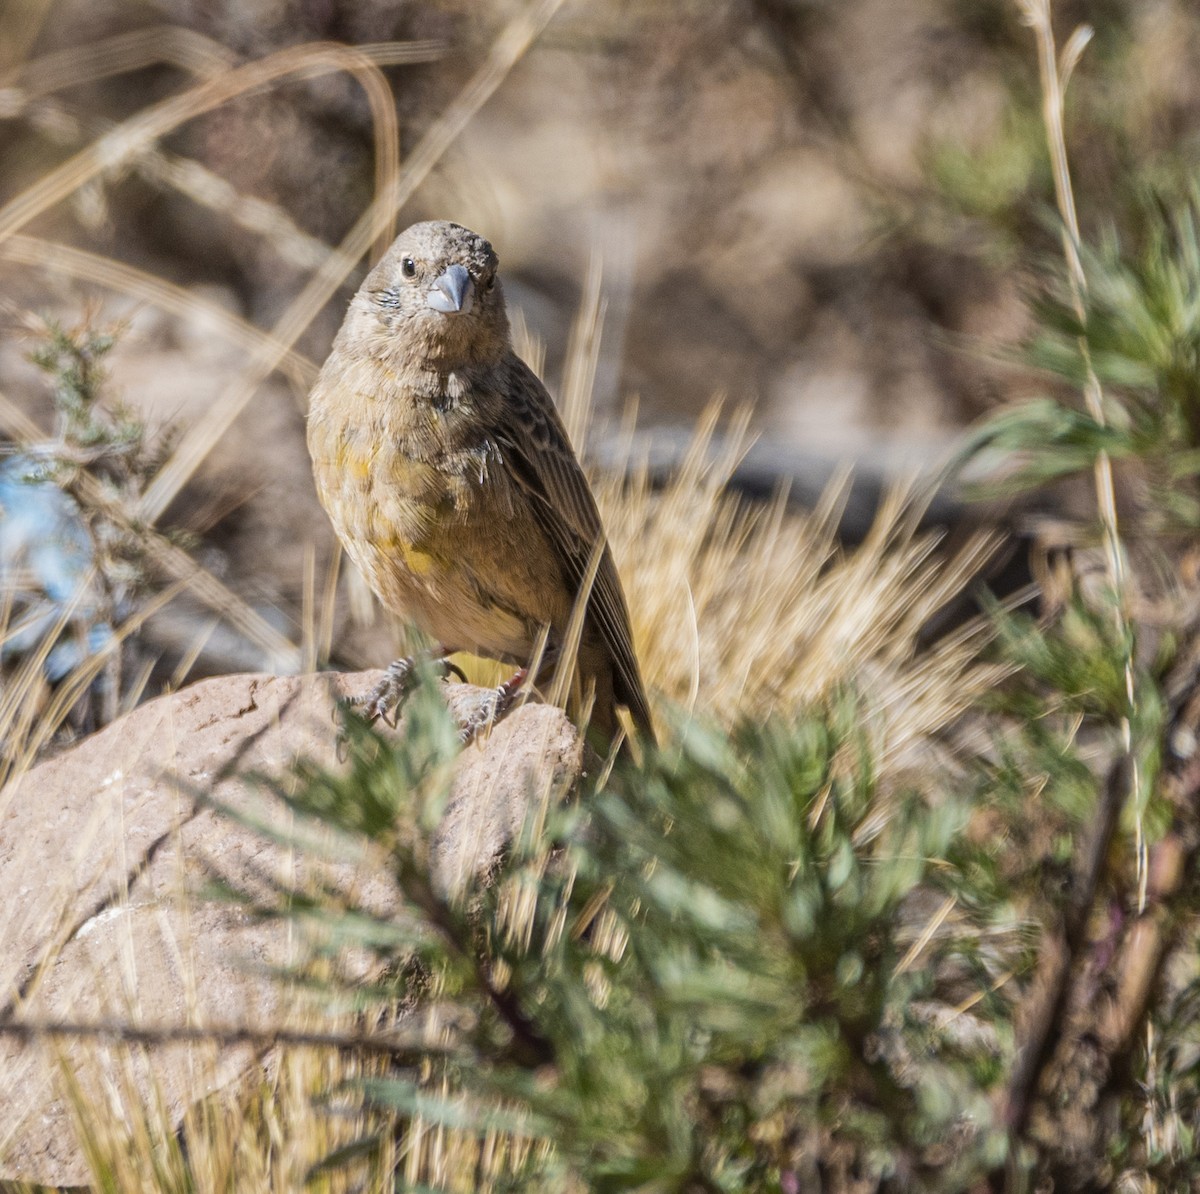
x: 452, y: 484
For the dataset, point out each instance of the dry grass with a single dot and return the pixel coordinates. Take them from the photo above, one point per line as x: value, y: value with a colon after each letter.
x: 738, y: 612
x: 759, y: 612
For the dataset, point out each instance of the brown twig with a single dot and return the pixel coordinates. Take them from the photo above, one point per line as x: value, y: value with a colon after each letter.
x: 1152, y: 936
x: 407, y: 1049
x: 1139, y: 964
x: 530, y: 1046
x: 1042, y: 1016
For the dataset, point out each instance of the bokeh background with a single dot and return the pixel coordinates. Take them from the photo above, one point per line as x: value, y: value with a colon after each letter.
x: 830, y: 210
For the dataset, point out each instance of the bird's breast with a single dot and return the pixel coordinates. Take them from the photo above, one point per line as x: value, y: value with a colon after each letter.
x: 408, y: 479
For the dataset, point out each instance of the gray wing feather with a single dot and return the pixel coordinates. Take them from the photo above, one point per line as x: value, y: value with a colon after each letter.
x: 544, y: 464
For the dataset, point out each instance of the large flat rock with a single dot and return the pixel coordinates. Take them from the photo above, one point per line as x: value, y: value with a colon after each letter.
x: 104, y: 849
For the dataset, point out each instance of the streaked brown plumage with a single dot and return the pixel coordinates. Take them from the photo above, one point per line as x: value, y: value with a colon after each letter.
x: 448, y: 475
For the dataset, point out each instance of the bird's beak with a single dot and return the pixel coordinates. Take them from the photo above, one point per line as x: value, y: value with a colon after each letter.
x: 452, y: 292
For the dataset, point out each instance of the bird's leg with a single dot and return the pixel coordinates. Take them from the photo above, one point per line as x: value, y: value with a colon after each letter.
x: 388, y: 696
x: 495, y: 707
x: 504, y: 697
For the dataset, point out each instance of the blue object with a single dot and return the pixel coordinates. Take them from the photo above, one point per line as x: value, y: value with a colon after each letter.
x: 47, y: 560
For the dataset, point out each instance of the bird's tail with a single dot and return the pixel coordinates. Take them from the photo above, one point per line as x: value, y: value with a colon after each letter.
x: 594, y: 701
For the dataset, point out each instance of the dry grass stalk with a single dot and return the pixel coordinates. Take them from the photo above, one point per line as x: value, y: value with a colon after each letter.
x: 583, y: 355
x: 759, y: 612
x: 84, y: 266
x: 172, y: 45
x: 189, y: 51
x: 1055, y: 73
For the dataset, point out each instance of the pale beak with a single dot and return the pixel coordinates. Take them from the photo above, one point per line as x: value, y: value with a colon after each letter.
x: 453, y: 292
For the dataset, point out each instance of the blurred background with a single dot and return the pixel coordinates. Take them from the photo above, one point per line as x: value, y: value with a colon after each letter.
x: 829, y: 210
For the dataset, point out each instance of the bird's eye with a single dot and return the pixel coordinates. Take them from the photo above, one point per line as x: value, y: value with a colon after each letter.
x: 408, y: 267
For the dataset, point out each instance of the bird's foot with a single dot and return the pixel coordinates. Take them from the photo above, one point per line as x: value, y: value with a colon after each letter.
x: 503, y: 699
x: 386, y: 699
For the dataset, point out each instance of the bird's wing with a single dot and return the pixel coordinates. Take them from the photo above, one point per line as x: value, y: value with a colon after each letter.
x: 534, y: 442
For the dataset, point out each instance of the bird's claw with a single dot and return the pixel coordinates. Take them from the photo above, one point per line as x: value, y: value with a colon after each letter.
x: 498, y: 703
x: 449, y: 668
x: 385, y: 700
x: 388, y: 696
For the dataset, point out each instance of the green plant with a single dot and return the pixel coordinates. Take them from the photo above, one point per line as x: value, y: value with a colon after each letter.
x: 691, y: 980
x: 1095, y: 751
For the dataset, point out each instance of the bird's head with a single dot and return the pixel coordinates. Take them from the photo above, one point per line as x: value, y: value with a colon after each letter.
x: 435, y: 296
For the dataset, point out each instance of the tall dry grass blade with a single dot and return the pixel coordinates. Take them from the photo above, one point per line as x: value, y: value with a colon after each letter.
x: 170, y: 45
x: 21, y: 708
x: 583, y: 355
x: 282, y: 654
x: 138, y: 133
x: 694, y: 653
x: 17, y: 424
x: 195, y: 181
x: 527, y: 344
x: 308, y: 611
x: 1072, y: 52
x: 188, y: 660
x: 258, y: 216
x: 508, y: 49
x: 71, y: 689
x: 565, y: 667
x: 328, y: 606
x: 1037, y: 16
x: 127, y: 279
x: 379, y: 215
x: 132, y: 697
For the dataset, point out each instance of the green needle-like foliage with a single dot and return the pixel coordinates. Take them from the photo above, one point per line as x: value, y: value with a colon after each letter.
x: 1140, y: 334
x: 706, y: 985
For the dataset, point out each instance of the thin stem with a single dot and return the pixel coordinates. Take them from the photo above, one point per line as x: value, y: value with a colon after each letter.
x: 409, y: 1048
x: 1037, y: 16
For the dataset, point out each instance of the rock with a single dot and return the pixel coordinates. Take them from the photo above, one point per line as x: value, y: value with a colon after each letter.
x: 102, y: 853
x: 532, y: 759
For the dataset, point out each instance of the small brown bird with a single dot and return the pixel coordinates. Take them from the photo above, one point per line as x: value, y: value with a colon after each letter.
x: 450, y: 480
